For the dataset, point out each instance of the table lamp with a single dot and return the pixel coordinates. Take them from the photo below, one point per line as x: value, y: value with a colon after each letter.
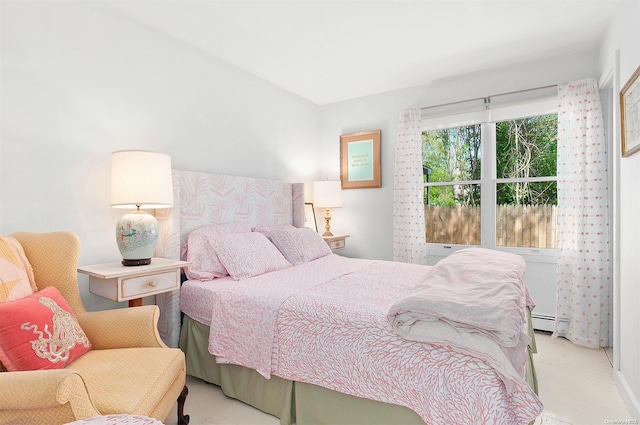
x: 327, y: 194
x: 139, y: 179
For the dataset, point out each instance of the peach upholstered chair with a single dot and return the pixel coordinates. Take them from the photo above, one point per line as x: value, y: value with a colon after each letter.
x: 128, y: 370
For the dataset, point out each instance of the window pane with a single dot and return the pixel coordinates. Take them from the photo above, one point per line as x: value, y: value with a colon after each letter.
x: 452, y: 212
x: 448, y: 218
x: 530, y: 222
x: 452, y: 154
x: 527, y: 147
x: 526, y: 211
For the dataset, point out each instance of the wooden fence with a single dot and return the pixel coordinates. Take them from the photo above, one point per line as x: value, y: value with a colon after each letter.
x: 531, y: 226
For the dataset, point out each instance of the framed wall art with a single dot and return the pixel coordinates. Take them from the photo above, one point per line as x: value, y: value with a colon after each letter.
x: 630, y: 115
x: 360, y: 160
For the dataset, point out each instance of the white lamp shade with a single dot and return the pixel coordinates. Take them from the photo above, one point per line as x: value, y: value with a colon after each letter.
x: 141, y: 178
x: 327, y: 194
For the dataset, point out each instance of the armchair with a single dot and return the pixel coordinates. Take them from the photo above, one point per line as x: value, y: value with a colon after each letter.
x: 128, y: 370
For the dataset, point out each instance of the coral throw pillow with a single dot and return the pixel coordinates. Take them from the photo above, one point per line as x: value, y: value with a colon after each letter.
x: 16, y: 274
x: 40, y: 332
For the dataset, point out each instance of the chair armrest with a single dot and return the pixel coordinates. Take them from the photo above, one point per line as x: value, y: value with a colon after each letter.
x: 45, y: 390
x: 122, y: 328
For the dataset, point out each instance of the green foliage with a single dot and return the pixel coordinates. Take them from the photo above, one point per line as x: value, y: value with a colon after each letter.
x: 452, y: 154
x: 527, y: 148
x: 524, y: 148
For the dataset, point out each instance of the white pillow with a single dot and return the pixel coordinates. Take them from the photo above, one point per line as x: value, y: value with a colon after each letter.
x: 202, y: 246
x: 299, y: 245
x: 246, y: 255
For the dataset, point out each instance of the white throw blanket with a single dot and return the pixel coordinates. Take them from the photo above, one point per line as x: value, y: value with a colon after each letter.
x: 481, y: 294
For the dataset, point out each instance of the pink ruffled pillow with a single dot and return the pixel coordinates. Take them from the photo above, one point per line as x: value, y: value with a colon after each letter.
x: 246, y: 255
x: 202, y: 247
x: 40, y: 332
x: 299, y: 245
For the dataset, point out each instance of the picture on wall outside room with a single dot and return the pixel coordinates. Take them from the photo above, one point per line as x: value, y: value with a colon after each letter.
x: 630, y: 115
x: 360, y: 160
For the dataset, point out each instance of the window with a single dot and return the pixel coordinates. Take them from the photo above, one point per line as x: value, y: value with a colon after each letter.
x: 507, y: 200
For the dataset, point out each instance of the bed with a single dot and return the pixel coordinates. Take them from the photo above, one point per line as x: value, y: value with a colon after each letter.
x: 326, y: 340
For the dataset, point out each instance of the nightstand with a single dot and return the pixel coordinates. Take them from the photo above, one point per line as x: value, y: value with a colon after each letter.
x: 336, y: 242
x: 121, y: 283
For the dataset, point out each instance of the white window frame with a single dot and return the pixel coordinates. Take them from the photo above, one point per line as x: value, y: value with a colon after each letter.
x: 487, y: 112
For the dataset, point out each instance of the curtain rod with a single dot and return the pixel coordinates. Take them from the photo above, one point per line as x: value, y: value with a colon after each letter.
x: 486, y: 98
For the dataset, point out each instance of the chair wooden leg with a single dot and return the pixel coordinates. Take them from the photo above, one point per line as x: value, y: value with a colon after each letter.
x: 182, y: 418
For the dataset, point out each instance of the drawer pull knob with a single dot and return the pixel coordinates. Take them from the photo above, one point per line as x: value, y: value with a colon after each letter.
x: 153, y: 283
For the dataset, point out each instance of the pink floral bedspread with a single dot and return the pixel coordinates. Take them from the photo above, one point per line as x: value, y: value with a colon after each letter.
x: 244, y: 313
x: 325, y: 323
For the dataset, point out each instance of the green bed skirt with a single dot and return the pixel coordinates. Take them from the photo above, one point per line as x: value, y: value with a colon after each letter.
x: 296, y: 402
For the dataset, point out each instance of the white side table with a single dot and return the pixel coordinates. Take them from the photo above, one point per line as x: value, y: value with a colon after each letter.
x: 130, y: 283
x: 336, y: 242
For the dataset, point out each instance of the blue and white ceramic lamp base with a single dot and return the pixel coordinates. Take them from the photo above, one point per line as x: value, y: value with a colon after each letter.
x: 137, y: 235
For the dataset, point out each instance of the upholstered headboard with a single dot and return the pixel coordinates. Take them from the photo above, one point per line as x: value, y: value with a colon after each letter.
x: 203, y: 199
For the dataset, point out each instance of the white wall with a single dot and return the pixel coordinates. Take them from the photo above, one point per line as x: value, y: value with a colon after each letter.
x: 623, y: 42
x: 79, y: 81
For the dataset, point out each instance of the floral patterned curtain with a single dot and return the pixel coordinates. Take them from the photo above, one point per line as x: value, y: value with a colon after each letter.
x: 408, y: 192
x: 583, y: 276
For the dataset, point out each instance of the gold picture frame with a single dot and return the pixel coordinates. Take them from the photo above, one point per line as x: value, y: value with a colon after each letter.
x: 630, y: 115
x: 360, y: 160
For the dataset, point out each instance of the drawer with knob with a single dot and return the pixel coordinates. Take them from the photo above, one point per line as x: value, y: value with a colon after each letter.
x: 137, y: 287
x: 336, y: 242
x: 121, y: 283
